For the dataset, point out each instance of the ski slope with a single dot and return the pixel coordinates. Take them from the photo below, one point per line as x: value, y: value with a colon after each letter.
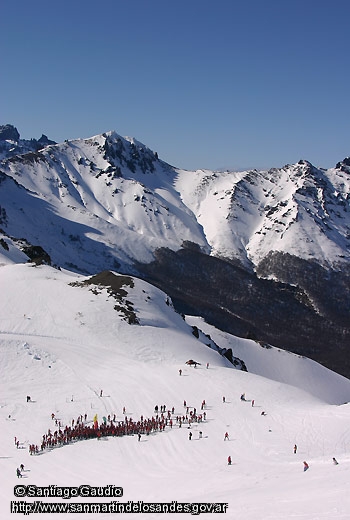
x: 62, y: 343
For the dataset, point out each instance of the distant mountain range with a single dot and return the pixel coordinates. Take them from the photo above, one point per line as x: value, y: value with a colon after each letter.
x: 259, y: 254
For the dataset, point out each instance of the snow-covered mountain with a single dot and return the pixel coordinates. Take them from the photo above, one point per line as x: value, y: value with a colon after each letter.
x: 297, y: 209
x: 86, y: 340
x: 109, y: 202
x: 111, y: 347
x: 135, y: 203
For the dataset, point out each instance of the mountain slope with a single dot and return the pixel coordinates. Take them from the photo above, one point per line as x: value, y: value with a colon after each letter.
x: 92, y: 206
x: 64, y: 355
x: 298, y: 209
x: 109, y: 202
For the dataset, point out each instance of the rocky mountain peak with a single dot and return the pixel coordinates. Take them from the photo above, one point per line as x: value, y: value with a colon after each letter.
x: 9, y: 133
x: 344, y: 165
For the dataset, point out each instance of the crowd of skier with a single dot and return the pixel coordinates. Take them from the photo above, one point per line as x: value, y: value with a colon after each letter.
x: 82, y: 428
x: 85, y: 428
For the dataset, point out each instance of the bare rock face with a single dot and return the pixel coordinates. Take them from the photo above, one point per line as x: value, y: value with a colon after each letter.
x: 9, y: 133
x: 45, y: 141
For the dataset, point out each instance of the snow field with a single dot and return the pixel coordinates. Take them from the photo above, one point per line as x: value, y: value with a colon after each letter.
x: 62, y: 345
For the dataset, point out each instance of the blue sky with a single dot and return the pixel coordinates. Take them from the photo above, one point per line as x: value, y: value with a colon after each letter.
x: 206, y: 84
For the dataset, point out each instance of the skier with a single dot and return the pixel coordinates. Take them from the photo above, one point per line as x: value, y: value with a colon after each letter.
x: 253, y: 402
x: 306, y: 466
x: 190, y: 436
x: 200, y: 435
x: 226, y: 437
x: 139, y: 436
x: 243, y: 397
x: 101, y: 393
x: 229, y: 461
x: 180, y: 371
x: 295, y: 448
x: 21, y: 467
x: 335, y: 462
x: 223, y: 399
x: 207, y: 365
x: 19, y: 474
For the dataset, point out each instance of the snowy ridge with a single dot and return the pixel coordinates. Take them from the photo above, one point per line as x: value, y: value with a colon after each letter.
x: 63, y: 355
x: 88, y: 185
x: 123, y: 203
x: 298, y: 209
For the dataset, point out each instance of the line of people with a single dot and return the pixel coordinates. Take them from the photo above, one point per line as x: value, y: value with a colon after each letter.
x: 80, y: 428
x: 81, y: 431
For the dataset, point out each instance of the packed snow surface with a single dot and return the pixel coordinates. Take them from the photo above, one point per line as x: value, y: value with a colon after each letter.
x: 62, y: 342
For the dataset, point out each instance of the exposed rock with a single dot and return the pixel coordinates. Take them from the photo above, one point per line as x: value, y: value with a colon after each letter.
x: 45, y: 141
x: 8, y: 133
